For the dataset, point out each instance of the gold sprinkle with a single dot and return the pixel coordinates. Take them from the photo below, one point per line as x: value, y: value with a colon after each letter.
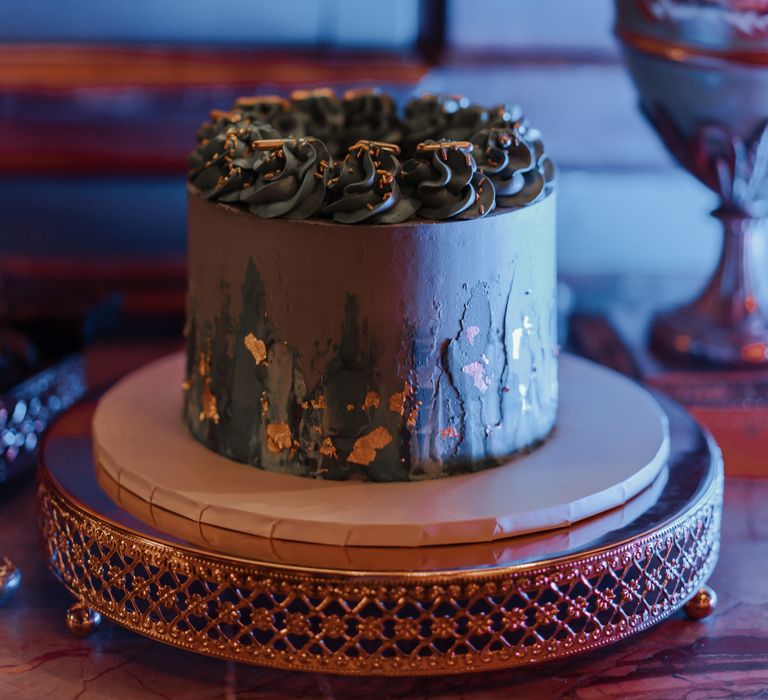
x: 305, y: 405
x: 350, y: 407
x: 320, y: 402
x: 364, y: 449
x: 186, y: 385
x: 256, y: 347
x: 442, y: 145
x: 264, y: 404
x: 412, y: 418
x: 449, y: 432
x: 266, y: 144
x: 261, y: 100
x: 360, y: 92
x: 327, y: 448
x: 278, y: 437
x: 210, y: 407
x: 363, y: 145
x: 371, y: 400
x: 316, y: 92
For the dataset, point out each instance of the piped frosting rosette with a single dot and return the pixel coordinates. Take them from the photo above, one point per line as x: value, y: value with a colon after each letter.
x: 446, y: 182
x: 290, y: 181
x: 224, y: 160
x: 364, y: 187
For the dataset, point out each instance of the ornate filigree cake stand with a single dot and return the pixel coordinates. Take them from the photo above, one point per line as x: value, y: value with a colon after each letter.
x: 409, y: 611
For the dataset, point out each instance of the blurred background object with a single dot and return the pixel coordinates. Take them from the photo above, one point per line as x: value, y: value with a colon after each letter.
x: 701, y: 71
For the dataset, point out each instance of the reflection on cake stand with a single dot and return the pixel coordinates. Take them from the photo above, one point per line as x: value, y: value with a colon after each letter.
x: 383, y: 610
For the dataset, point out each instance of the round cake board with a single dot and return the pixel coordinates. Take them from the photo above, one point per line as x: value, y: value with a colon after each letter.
x: 610, y: 443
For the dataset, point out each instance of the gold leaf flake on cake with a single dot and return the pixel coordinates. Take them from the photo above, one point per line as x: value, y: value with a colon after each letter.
x: 278, y: 437
x: 449, y: 432
x: 256, y: 347
x: 210, y: 406
x: 397, y: 401
x: 186, y: 385
x: 413, y: 416
x: 264, y: 404
x: 371, y: 400
x: 319, y: 402
x: 203, y: 364
x: 364, y: 449
x: 350, y: 407
x: 327, y: 448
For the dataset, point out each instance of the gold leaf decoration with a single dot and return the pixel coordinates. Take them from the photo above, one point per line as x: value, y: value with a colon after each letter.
x: 256, y: 347
x: 210, y: 406
x: 397, y: 401
x: 364, y: 449
x: 371, y: 400
x: 278, y: 437
x: 327, y: 448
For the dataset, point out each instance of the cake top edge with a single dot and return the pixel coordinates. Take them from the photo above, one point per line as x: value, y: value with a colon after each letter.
x: 358, y: 159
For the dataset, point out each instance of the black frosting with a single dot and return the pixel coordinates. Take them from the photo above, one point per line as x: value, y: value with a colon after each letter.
x: 321, y: 114
x: 370, y: 115
x: 515, y: 162
x: 224, y: 160
x: 290, y: 180
x: 445, y: 180
x: 364, y: 187
x: 318, y: 155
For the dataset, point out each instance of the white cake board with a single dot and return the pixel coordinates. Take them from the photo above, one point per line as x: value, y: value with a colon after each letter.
x: 610, y: 443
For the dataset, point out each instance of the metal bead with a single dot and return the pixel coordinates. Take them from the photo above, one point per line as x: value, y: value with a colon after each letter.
x: 702, y: 604
x: 10, y: 577
x: 81, y: 620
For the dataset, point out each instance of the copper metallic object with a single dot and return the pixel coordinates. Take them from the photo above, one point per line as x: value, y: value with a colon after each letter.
x: 702, y: 605
x: 463, y: 146
x: 383, y: 145
x: 387, y: 611
x: 261, y: 100
x: 701, y: 72
x: 10, y: 577
x: 82, y: 621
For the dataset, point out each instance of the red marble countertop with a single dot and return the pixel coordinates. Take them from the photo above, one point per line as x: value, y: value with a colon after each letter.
x: 725, y: 655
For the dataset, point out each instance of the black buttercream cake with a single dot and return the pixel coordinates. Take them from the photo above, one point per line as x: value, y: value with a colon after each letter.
x: 371, y: 290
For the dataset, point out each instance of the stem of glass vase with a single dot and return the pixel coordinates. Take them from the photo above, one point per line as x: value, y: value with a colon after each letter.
x: 726, y: 324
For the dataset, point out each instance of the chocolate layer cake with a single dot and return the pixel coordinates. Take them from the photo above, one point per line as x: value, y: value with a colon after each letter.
x: 359, y: 312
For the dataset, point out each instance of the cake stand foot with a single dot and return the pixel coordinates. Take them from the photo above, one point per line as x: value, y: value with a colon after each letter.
x: 10, y: 577
x: 81, y: 620
x: 702, y: 604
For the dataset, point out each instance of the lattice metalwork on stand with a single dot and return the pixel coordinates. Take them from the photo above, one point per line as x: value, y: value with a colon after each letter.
x: 394, y: 623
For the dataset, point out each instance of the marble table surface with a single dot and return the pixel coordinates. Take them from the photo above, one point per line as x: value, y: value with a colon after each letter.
x: 725, y: 655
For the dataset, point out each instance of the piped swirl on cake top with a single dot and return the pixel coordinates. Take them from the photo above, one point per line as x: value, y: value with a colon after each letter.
x: 356, y: 159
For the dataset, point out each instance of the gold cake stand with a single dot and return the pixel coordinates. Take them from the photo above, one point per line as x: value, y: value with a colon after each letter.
x: 415, y: 611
